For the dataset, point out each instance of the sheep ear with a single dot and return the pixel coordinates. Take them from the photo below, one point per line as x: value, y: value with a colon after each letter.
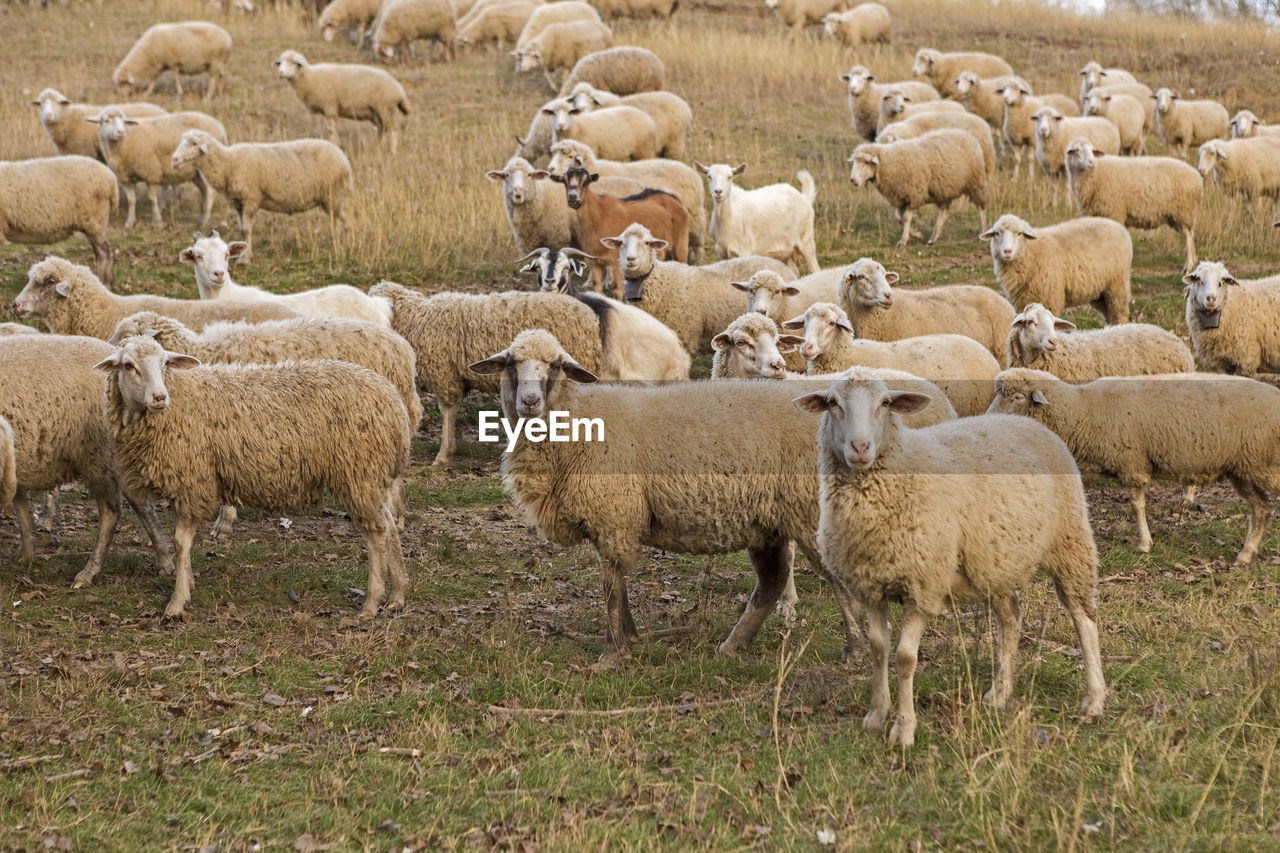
x: 789, y: 343
x: 539, y: 174
x: 701, y: 168
x: 491, y: 365
x: 187, y: 256
x: 611, y: 242
x: 35, y: 103
x: 848, y: 78
x: 989, y: 234
x: 891, y: 277
x: 793, y: 324
x: 791, y: 291
x: 132, y: 121
x: 844, y: 324
x: 1020, y: 320
x: 744, y: 286
x: 815, y: 403
x: 721, y: 342
x: 110, y: 364
x: 1098, y: 152
x: 1226, y: 279
x: 575, y: 371
x: 908, y: 402
x: 1039, y: 398
x: 1029, y: 234
x: 63, y: 289
x: 740, y: 168
x: 496, y: 175
x: 1062, y: 325
x: 93, y: 119
x: 656, y: 244
x: 176, y: 361
x: 236, y: 249
x: 1191, y: 278
x: 519, y: 142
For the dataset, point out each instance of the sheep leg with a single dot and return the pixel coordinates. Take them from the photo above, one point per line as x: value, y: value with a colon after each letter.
x: 146, y: 512
x: 103, y: 264
x: 206, y: 199
x: 26, y: 525
x: 375, y: 539
x: 184, y: 535
x: 177, y: 83
x: 153, y: 194
x: 448, y: 441
x: 810, y: 252
x: 1189, y: 495
x: 333, y: 129
x: 50, y: 513
x: 131, y: 195
x: 213, y: 85
x: 225, y: 523
x: 1138, y: 497
x: 1017, y: 160
x: 1258, y: 502
x: 246, y: 215
x: 851, y: 613
x: 108, y: 517
x: 944, y: 211
x: 1095, y: 686
x: 903, y: 731
x: 551, y: 81
x: 907, y: 213
x: 878, y: 636
x: 395, y: 561
x: 620, y: 630
x: 773, y: 573
x: 1008, y: 631
x: 1189, y: 235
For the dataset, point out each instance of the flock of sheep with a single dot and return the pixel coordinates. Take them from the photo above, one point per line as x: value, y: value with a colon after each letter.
x: 211, y: 403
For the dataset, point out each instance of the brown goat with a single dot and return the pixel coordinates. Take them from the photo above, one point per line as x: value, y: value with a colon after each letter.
x: 604, y: 216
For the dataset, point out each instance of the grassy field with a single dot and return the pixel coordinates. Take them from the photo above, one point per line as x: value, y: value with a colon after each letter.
x: 271, y: 718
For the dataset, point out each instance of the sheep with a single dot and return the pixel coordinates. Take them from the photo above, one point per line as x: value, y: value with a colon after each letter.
x: 691, y: 489
x: 960, y: 366
x: 1054, y: 131
x: 615, y: 133
x: 1019, y: 106
x: 865, y: 96
x: 1137, y: 192
x: 939, y: 538
x: 661, y: 9
x: 346, y: 90
x: 211, y: 435
x: 8, y: 464
x: 190, y: 47
x: 402, y: 22
x: 139, y: 149
x: 468, y: 12
x: 921, y: 123
x: 448, y: 329
x: 1091, y: 77
x: 1126, y: 349
x: 536, y: 143
x: 1248, y: 167
x: 1086, y: 261
x: 937, y: 168
x: 279, y: 177
x: 602, y: 217
x: 622, y: 70
x: 61, y: 437
x: 47, y: 199
x: 796, y: 14
x: 882, y: 314
x: 562, y: 12
x: 670, y: 113
x: 1168, y: 426
x: 1244, y: 125
x: 694, y: 302
x: 982, y: 97
x: 774, y: 220
x: 66, y: 126
x: 777, y: 298
x: 866, y: 22
x: 1140, y: 93
x: 1186, y: 123
x: 72, y: 301
x: 1234, y: 325
x: 561, y: 46
x: 895, y: 105
x: 638, y: 347
x: 355, y: 16
x: 211, y: 256
x: 674, y: 177
x: 1125, y: 112
x: 500, y: 22
x: 942, y: 69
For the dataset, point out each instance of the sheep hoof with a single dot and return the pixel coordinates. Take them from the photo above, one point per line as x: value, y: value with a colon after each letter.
x: 393, y: 605
x: 901, y: 243
x: 729, y: 648
x: 440, y: 463
x: 175, y: 613
x: 994, y: 700
x: 611, y: 660
x: 787, y: 610
x: 903, y: 734
x: 370, y: 610
x: 83, y: 579
x: 1244, y: 558
x: 1091, y: 707
x: 874, y: 721
x: 27, y: 556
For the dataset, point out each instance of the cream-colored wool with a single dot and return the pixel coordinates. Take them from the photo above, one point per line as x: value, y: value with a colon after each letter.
x: 1185, y: 123
x: 1125, y: 349
x: 347, y: 90
x: 1094, y: 75
x: 355, y: 16
x: 402, y: 22
x: 65, y: 122
x: 1125, y: 113
x: 1054, y: 131
x: 1243, y: 167
x: 562, y: 12
x: 671, y: 114
x: 866, y: 22
x: 917, y: 124
x: 865, y: 96
x: 1017, y: 126
x: 942, y: 69
x: 1246, y: 338
x: 190, y: 47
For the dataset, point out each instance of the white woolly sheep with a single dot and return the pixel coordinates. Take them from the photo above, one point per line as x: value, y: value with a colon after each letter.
x: 278, y: 177
x: 66, y: 126
x: 72, y: 301
x: 620, y: 70
x: 983, y: 97
x: 212, y: 256
x: 778, y: 299
x: 1019, y: 106
x: 660, y: 9
x: 615, y: 133
x: 190, y: 47
x: 937, y: 541
x: 1137, y: 192
x: 561, y: 46
x: 1186, y: 123
x: 670, y: 113
x: 561, y: 12
x: 47, y: 199
x: 138, y: 150
x: 62, y: 437
x: 896, y: 105
x: 879, y: 313
x: 499, y: 22
x: 866, y: 22
x: 865, y: 96
x: 960, y: 366
x: 342, y: 90
x: 1177, y: 426
x: 402, y: 22
x: 1125, y: 112
x: 774, y: 220
x: 797, y: 14
x: 1244, y: 125
x: 942, y: 69
x: 355, y: 16
x: 1234, y: 325
x: 1094, y: 75
x: 167, y: 444
x: 1085, y: 261
x: 939, y: 168
x: 1247, y: 167
x: 919, y: 124
x: 1054, y: 131
x: 1140, y: 93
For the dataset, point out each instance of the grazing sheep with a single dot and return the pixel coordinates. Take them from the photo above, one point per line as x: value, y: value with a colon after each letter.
x: 942, y: 69
x: 66, y: 126
x: 61, y: 438
x: 774, y: 220
x: 355, y: 16
x: 1186, y: 123
x: 694, y: 302
x: 1094, y: 75
x: 500, y: 22
x: 670, y: 113
x: 562, y: 12
x: 1125, y: 112
x: 1245, y: 125
x: 402, y: 22
x: 921, y: 123
x: 1137, y: 192
x: 194, y: 434
x: 191, y: 47
x: 1234, y: 325
x: 1125, y: 349
x: 1248, y: 167
x: 561, y: 46
x: 47, y: 199
x: 960, y: 366
x: 941, y: 536
x: 278, y: 177
x: 138, y: 150
x: 866, y: 22
x: 865, y: 96
x: 796, y: 14
x: 1140, y: 93
x: 212, y: 256
x: 616, y: 133
x: 638, y: 347
x: 1140, y: 428
x: 339, y: 90
x: 1084, y: 261
x: 621, y: 70
x: 895, y: 105
x: 448, y: 329
x: 880, y: 313
x: 936, y: 168
x: 1019, y: 107
x: 72, y: 301
x: 660, y: 9
x: 1054, y: 131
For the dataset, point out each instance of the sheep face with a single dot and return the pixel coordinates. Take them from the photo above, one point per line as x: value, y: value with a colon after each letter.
x: 527, y: 60
x: 1080, y: 155
x: 125, y: 83
x: 1047, y: 120
x: 568, y: 154
x: 1164, y: 100
x: 328, y: 30
x: 823, y: 324
x: 859, y: 417
x: 893, y: 102
x: 561, y: 112
x: 868, y: 284
x: 113, y: 126
x: 866, y: 161
x: 194, y: 144
x: 923, y: 63
x: 1243, y: 124
x: 859, y: 80
x: 211, y: 257
x: 831, y: 23
x: 516, y: 179
x: 1008, y: 236
x: 1207, y: 288
x: 138, y: 366
x: 289, y: 64
x: 534, y: 360
x: 1020, y: 392
x: 47, y: 282
x: 50, y: 104
x: 766, y: 292
x: 753, y: 344
x: 1211, y: 153
x: 966, y: 82
x: 637, y: 252
x: 1038, y: 328
x: 1092, y: 74
x: 1093, y: 105
x: 1014, y: 91
x: 720, y: 178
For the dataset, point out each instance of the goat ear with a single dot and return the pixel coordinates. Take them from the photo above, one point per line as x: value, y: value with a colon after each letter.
x: 815, y: 403
x: 591, y: 178
x: 187, y: 256
x: 496, y: 175
x: 789, y: 343
x: 611, y: 242
x: 744, y: 286
x: 491, y: 365
x: 575, y: 371
x: 559, y: 179
x: 577, y: 267
x: 740, y: 168
x: 701, y: 168
x: 793, y: 324
x: 236, y: 249
x: 908, y: 402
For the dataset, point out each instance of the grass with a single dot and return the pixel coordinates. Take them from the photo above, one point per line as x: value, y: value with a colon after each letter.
x: 259, y: 720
